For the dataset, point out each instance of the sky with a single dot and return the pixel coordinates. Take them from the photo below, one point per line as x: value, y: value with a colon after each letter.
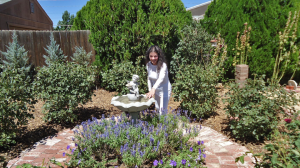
x: 55, y: 8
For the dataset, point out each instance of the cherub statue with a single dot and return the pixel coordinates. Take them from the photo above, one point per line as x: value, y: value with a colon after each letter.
x: 133, y: 85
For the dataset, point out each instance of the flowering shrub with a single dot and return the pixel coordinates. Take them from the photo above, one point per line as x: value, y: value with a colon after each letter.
x: 63, y: 87
x: 256, y: 107
x: 154, y: 139
x: 284, y: 151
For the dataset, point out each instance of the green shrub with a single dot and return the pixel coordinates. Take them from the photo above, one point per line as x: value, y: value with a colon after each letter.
x: 266, y: 18
x: 81, y: 57
x: 123, y: 30
x: 195, y: 82
x: 16, y: 102
x: 63, y: 87
x: 255, y: 108
x: 116, y: 78
x: 194, y: 47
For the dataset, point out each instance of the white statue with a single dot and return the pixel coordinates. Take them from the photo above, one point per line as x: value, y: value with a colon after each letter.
x: 133, y: 88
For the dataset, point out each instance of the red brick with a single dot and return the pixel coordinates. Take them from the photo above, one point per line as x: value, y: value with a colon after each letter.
x: 23, y: 161
x: 247, y: 158
x: 242, y: 68
x: 63, y: 144
x: 212, y: 160
x: 226, y: 158
x: 41, y: 159
x: 228, y: 166
x: 60, y: 137
x: 227, y: 162
x: 211, y: 157
x: 34, y: 163
x: 28, y: 157
x: 60, y: 155
x: 33, y: 154
x: 51, y: 151
x: 223, y: 154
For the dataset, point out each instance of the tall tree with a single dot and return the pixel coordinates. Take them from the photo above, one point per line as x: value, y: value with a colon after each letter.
x: 266, y: 18
x: 66, y: 23
x: 124, y: 29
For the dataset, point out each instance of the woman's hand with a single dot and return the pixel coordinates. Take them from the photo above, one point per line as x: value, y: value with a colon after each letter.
x: 151, y: 93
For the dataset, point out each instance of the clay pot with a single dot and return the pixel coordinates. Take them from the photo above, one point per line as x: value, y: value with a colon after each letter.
x: 289, y: 87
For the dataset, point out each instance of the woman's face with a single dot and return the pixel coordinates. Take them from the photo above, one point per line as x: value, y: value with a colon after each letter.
x: 153, y: 58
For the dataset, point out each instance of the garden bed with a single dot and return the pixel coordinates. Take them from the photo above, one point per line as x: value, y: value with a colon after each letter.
x: 37, y: 129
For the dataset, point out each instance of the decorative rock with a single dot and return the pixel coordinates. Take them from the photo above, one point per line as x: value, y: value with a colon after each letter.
x: 293, y: 83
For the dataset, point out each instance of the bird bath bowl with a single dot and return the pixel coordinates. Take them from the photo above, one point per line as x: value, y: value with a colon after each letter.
x: 132, y: 107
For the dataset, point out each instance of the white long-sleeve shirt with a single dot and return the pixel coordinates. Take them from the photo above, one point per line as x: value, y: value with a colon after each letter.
x: 159, y: 81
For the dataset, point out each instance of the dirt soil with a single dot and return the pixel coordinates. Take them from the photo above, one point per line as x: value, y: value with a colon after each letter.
x: 37, y: 129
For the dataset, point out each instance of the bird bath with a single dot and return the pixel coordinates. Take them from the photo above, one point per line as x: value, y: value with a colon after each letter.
x: 133, y: 102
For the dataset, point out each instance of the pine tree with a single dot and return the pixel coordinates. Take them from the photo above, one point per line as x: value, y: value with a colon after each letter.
x: 266, y: 18
x: 125, y: 29
x: 16, y: 56
x: 55, y: 54
x: 81, y: 57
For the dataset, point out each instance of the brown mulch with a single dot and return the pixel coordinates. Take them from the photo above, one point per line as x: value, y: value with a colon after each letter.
x: 37, y: 129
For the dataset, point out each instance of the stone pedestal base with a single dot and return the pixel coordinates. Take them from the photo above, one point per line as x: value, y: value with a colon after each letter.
x: 241, y: 74
x: 135, y: 116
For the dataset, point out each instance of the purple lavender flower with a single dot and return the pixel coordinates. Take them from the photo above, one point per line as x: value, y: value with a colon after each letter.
x: 68, y: 147
x: 64, y: 154
x: 151, y: 140
x: 155, y: 163
x: 183, y: 161
x: 198, y: 142
x: 79, y: 161
x: 169, y: 154
x: 189, y: 165
x: 200, y: 151
x: 76, y: 144
x: 204, y: 155
x: 73, y: 150
x: 191, y: 149
x: 161, y: 162
x: 173, y: 163
x: 202, y: 142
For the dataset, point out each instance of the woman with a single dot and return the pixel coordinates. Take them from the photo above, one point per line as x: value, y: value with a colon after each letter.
x: 158, y: 81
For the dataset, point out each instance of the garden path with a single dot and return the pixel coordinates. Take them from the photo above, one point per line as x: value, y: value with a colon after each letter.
x: 220, y: 151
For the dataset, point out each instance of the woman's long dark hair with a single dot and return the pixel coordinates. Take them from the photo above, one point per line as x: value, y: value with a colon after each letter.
x: 160, y: 54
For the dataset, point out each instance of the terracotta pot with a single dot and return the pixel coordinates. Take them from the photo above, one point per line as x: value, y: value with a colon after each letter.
x: 289, y: 87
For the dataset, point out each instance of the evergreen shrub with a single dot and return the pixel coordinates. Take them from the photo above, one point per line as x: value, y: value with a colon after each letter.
x: 16, y: 103
x: 81, y: 57
x: 255, y: 108
x: 266, y: 18
x: 123, y: 30
x: 116, y: 78
x: 194, y: 47
x: 16, y: 56
x: 63, y: 87
x: 195, y: 80
x: 55, y: 54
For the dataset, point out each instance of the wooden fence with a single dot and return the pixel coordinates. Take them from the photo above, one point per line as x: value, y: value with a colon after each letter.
x: 35, y: 43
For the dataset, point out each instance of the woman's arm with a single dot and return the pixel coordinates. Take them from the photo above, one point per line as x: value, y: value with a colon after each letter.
x: 148, y: 80
x: 161, y: 76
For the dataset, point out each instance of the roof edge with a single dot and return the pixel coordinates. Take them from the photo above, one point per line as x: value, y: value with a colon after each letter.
x: 205, y: 3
